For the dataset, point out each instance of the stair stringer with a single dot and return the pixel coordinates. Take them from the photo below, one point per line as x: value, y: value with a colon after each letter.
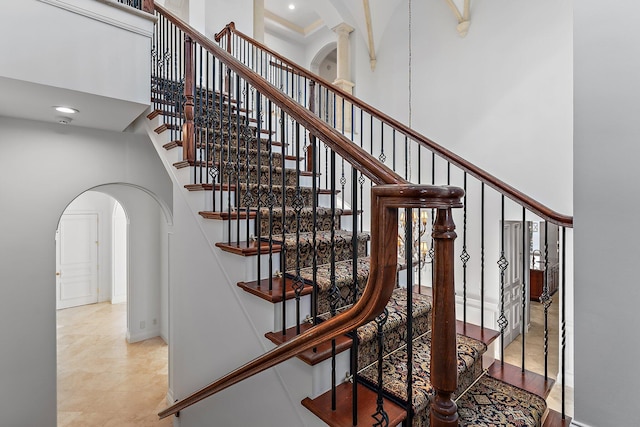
x: 215, y: 326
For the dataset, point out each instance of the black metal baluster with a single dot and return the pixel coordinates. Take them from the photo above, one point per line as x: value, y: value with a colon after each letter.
x: 242, y: 122
x: 502, y: 264
x: 380, y: 416
x: 523, y: 291
x: 230, y: 167
x: 259, y: 185
x: 219, y: 130
x: 283, y: 250
x: 563, y: 315
x: 314, y: 205
x: 382, y: 157
x: 393, y: 157
x: 482, y: 255
x: 199, y: 121
x: 247, y: 197
x: 207, y: 123
x: 361, y: 179
x: 409, y: 260
x: 271, y: 197
x: 546, y: 300
x: 334, y: 296
x: 355, y: 289
x: 464, y: 256
x: 298, y: 205
x: 212, y: 134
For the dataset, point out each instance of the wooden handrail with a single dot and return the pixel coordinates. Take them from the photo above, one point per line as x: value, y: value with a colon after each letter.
x: 386, y: 200
x: 502, y: 187
x: 359, y: 158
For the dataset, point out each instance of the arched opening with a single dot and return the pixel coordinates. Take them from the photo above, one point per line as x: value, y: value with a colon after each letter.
x: 112, y: 343
x: 326, y: 66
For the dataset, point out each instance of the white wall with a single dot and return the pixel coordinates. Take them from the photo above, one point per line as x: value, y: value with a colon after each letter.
x: 120, y: 255
x: 70, y: 160
x: 503, y: 92
x: 101, y: 75
x: 147, y: 242
x: 220, y: 12
x: 606, y: 233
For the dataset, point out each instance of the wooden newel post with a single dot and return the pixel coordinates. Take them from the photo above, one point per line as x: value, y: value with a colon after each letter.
x: 188, y: 129
x: 312, y: 108
x: 147, y: 6
x: 444, y: 357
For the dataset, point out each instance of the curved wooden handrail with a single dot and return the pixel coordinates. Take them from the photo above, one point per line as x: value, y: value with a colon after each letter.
x: 502, y: 187
x: 386, y: 200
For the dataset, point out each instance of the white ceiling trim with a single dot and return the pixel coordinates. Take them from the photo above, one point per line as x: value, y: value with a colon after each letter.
x: 303, y: 31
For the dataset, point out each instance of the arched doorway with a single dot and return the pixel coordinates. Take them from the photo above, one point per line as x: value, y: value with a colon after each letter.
x: 115, y: 351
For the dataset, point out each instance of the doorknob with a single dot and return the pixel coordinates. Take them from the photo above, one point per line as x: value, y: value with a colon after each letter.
x: 57, y: 273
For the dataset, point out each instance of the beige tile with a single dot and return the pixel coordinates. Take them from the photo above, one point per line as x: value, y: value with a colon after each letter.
x: 102, y: 380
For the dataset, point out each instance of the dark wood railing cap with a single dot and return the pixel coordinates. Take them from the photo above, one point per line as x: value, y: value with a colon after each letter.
x: 500, y: 186
x: 422, y: 196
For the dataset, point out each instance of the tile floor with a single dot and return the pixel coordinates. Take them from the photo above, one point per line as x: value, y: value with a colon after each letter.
x: 534, y: 352
x: 102, y: 380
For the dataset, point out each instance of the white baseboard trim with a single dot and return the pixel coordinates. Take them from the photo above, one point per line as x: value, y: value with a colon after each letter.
x: 578, y: 424
x: 118, y: 299
x: 141, y: 336
x: 170, y: 399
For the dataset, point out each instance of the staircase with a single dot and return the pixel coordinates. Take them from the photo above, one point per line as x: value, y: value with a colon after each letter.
x: 301, y: 232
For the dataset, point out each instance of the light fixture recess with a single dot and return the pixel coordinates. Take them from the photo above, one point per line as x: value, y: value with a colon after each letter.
x: 65, y: 110
x: 292, y: 6
x: 63, y: 120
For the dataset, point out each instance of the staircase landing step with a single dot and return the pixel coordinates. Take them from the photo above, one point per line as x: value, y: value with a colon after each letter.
x: 554, y: 419
x: 245, y: 248
x: 484, y: 335
x: 311, y: 357
x: 529, y: 381
x: 490, y: 402
x: 225, y: 215
x: 341, y: 417
x: 261, y: 289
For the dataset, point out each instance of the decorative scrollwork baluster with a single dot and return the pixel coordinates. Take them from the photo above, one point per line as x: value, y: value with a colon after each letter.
x: 380, y: 416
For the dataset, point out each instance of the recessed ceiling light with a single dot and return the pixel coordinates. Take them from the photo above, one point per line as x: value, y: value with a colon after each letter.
x: 292, y: 6
x: 66, y: 110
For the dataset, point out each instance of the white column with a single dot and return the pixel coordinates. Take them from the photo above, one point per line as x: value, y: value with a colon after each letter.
x: 258, y: 20
x: 343, y: 75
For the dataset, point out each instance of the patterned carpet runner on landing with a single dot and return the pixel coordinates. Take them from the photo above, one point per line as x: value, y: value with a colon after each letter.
x: 394, y: 368
x: 493, y: 403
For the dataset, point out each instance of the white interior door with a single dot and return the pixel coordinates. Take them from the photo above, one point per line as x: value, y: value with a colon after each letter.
x: 513, y: 280
x: 77, y: 260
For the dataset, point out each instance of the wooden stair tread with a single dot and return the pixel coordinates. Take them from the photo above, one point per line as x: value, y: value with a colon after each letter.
x: 527, y: 380
x: 554, y: 419
x: 261, y: 289
x: 311, y: 357
x: 232, y: 187
x: 341, y: 417
x: 178, y: 143
x: 245, y: 248
x: 238, y: 214
x: 484, y: 335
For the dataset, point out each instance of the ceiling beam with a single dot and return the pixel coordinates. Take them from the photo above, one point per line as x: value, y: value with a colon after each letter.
x: 463, y: 18
x: 372, y: 48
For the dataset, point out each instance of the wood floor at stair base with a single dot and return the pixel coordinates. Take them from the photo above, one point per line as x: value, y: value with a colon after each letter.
x: 341, y: 417
x: 313, y: 356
